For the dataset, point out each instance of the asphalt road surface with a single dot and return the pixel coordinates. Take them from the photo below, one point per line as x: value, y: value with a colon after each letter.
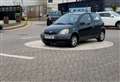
x: 19, y: 63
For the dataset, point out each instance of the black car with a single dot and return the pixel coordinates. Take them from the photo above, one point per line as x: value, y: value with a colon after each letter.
x: 52, y: 16
x: 74, y: 27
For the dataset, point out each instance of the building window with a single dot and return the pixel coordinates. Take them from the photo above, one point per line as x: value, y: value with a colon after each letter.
x: 50, y: 1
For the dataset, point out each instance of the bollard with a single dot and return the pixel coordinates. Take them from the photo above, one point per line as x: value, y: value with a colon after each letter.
x: 6, y: 20
x: 18, y: 19
x: 1, y: 27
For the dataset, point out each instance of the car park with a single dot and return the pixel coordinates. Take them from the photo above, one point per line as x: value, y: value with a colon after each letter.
x: 72, y: 28
x: 110, y: 18
x: 53, y: 16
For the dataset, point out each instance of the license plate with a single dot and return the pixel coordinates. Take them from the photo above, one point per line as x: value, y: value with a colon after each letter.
x: 49, y: 37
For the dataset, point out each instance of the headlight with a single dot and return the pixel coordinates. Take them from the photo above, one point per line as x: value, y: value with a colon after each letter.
x: 64, y: 31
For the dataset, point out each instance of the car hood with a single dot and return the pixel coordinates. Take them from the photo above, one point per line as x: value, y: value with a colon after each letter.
x: 56, y: 28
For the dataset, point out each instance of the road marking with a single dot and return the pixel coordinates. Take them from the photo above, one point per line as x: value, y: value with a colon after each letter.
x: 22, y: 28
x: 15, y: 56
x: 29, y: 37
x: 89, y: 45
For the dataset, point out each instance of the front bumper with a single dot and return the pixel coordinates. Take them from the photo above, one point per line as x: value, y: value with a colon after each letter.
x: 58, y: 39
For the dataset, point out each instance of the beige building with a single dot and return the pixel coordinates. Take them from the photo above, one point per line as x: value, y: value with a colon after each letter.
x: 32, y: 8
x: 53, y: 4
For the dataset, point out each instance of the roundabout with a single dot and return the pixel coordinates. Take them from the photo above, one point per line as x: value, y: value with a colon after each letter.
x: 88, y: 45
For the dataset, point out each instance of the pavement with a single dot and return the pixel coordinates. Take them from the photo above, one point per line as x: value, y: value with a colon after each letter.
x: 13, y: 25
x: 20, y: 63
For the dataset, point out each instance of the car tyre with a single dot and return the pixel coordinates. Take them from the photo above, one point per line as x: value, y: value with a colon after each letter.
x: 118, y: 25
x: 101, y: 37
x: 74, y: 41
x: 47, y: 43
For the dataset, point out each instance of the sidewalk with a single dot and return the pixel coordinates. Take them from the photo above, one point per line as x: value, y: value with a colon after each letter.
x: 13, y: 25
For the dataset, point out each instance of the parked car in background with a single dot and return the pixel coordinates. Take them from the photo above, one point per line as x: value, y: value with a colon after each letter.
x: 110, y: 18
x: 53, y: 16
x: 118, y: 12
x: 74, y: 27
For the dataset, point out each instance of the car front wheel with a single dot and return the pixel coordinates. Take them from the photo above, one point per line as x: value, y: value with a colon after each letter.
x: 74, y: 41
x: 101, y: 36
x: 118, y: 25
x: 47, y: 43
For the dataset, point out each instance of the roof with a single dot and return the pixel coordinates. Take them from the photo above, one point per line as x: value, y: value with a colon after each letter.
x: 81, y: 12
x: 105, y: 12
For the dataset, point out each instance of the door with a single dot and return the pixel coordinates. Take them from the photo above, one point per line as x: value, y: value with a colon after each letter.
x: 98, y: 24
x: 85, y: 27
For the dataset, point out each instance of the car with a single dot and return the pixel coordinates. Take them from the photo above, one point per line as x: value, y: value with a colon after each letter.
x: 52, y: 16
x: 1, y: 27
x: 118, y: 12
x: 72, y: 28
x: 110, y: 18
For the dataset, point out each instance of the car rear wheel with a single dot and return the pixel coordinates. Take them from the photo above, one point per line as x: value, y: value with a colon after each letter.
x: 101, y: 36
x: 74, y: 41
x: 118, y: 25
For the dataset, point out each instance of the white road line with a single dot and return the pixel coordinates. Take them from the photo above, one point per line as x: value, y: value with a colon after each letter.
x: 15, y: 56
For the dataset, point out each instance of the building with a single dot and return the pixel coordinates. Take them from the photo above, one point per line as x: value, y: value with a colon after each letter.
x: 32, y: 8
x: 53, y: 4
x: 109, y: 3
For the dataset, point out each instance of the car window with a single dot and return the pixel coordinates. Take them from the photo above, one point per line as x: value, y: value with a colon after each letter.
x: 105, y: 14
x: 85, y: 19
x: 96, y: 17
x: 115, y: 14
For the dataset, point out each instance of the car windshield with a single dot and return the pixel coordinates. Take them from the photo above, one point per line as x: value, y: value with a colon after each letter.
x: 69, y: 19
x: 115, y: 14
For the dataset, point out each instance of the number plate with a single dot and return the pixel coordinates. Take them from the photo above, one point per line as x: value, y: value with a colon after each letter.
x: 49, y: 37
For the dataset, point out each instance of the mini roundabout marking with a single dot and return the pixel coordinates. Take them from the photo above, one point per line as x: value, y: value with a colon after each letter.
x: 88, y: 45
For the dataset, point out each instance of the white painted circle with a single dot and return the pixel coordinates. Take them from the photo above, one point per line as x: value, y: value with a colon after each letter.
x: 89, y: 45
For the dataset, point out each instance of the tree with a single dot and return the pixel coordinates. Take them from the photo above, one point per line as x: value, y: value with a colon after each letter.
x: 114, y: 7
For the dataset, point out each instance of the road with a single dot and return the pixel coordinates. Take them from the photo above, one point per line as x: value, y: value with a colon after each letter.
x: 19, y: 63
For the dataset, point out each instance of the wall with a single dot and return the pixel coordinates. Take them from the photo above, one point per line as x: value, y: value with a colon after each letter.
x: 32, y: 8
x: 54, y: 5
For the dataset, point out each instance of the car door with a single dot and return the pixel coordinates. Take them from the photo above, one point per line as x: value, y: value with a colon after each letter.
x: 98, y: 24
x: 107, y: 19
x: 85, y: 27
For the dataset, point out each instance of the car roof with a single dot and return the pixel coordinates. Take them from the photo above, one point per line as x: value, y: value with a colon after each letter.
x: 106, y: 12
x: 79, y: 13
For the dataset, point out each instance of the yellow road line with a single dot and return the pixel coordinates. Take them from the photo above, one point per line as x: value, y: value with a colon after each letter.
x: 24, y: 27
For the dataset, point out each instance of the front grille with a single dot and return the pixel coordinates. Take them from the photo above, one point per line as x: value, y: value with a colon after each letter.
x: 50, y: 33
